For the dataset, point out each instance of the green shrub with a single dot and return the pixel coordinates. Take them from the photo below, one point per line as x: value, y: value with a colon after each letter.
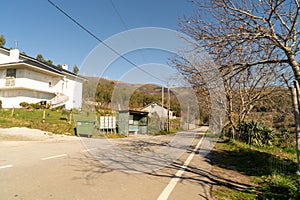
x: 31, y: 105
x: 35, y: 105
x: 283, y: 137
x: 255, y: 133
x: 24, y: 104
x: 280, y: 186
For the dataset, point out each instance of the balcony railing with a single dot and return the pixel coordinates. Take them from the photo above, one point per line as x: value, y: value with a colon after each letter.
x: 10, y: 81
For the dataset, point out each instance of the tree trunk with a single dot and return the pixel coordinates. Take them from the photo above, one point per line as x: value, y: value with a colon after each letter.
x: 295, y: 98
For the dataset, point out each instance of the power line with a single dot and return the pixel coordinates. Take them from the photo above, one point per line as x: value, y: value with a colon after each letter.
x: 98, y: 39
x: 125, y: 26
x: 119, y: 15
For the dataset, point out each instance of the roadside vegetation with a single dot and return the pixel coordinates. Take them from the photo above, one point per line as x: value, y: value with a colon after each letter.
x: 56, y: 121
x: 267, y: 158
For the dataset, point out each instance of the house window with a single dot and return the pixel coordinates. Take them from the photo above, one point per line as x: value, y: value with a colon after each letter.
x: 11, y: 73
x: 50, y: 84
x: 10, y: 77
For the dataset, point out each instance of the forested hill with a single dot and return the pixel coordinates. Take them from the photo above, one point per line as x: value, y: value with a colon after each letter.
x: 274, y: 110
x: 100, y: 90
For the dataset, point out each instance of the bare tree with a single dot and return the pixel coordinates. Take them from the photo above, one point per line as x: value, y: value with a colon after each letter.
x: 243, y: 90
x: 243, y: 33
x: 192, y: 74
x: 246, y: 89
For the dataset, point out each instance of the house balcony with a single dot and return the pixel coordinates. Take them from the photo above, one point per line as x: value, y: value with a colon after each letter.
x: 27, y: 84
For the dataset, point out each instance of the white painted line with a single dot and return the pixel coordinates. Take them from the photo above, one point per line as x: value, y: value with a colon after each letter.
x: 5, y: 166
x: 170, y: 187
x: 86, y: 150
x: 51, y: 157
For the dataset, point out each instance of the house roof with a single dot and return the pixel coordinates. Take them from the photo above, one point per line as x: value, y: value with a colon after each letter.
x: 42, y: 65
x: 134, y: 112
x: 157, y: 104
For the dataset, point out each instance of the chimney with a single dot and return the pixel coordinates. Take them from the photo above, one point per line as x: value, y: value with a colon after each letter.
x: 65, y: 67
x: 14, y: 55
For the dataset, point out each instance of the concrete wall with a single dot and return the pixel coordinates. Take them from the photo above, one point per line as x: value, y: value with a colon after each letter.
x: 13, y: 98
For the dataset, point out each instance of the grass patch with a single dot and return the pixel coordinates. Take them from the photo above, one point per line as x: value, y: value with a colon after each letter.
x: 55, y: 121
x: 279, y: 186
x: 224, y: 194
x: 272, y: 168
x: 251, y: 160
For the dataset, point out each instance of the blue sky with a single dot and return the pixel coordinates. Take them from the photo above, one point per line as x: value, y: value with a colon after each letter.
x: 40, y: 28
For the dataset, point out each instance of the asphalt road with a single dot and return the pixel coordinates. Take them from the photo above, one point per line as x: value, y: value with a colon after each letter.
x: 68, y: 170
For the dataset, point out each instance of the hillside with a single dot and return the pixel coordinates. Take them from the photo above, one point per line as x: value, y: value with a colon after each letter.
x: 100, y: 90
x: 274, y: 110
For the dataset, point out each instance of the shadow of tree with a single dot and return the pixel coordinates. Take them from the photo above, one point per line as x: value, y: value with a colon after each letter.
x: 201, y: 174
x: 251, y: 162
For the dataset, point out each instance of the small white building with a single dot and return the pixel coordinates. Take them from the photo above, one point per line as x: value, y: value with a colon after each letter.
x: 26, y: 79
x: 161, y: 111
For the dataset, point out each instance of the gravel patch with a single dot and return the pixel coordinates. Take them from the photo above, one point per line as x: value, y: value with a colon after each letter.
x: 27, y: 134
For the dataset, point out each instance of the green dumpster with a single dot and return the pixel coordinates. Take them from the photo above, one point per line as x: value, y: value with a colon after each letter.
x: 85, y: 128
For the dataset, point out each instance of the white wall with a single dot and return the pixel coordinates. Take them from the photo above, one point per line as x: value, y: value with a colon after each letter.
x: 9, y: 57
x: 4, y: 58
x: 2, y: 77
x: 39, y: 83
x: 162, y: 112
x: 73, y: 89
x: 13, y: 98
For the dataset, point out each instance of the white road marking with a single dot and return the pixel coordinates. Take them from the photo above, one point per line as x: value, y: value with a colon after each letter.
x: 169, y: 188
x: 5, y: 166
x: 86, y: 150
x: 51, y: 157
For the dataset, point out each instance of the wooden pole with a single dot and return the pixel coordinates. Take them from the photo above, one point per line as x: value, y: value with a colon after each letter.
x: 12, y: 112
x: 44, y: 116
x: 70, y: 118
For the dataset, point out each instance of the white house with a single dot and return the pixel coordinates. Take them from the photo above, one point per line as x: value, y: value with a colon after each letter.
x: 162, y: 111
x: 26, y: 79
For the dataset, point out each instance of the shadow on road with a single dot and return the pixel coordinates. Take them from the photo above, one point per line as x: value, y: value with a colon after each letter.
x: 95, y: 164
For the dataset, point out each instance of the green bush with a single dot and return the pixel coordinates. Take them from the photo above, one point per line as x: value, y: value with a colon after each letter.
x: 283, y: 138
x: 24, y: 104
x: 35, y: 105
x: 32, y: 105
x: 280, y: 186
x: 255, y: 133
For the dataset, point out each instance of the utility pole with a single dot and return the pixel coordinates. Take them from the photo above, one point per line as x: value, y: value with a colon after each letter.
x: 188, y: 117
x: 168, y: 125
x: 162, y: 108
